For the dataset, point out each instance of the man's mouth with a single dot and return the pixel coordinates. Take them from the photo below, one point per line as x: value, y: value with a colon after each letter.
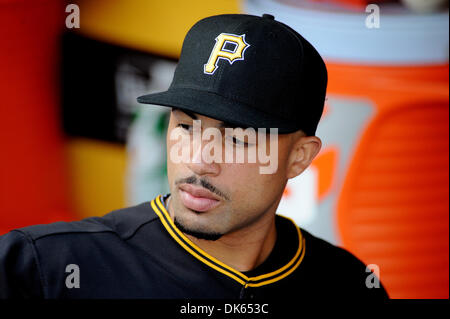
x: 198, y: 198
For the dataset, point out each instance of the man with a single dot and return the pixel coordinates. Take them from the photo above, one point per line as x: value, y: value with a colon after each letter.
x: 216, y: 235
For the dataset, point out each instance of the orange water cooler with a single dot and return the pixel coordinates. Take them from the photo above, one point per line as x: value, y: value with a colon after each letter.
x: 380, y: 186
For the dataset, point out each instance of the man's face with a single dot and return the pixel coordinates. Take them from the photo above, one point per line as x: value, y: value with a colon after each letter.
x: 218, y: 198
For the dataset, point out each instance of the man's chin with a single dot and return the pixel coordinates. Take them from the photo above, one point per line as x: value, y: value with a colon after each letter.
x: 212, y: 236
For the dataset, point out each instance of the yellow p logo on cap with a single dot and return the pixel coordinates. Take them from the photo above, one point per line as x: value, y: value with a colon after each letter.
x: 219, y: 51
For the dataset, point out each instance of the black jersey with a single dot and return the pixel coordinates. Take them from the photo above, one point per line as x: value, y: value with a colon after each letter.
x: 138, y: 252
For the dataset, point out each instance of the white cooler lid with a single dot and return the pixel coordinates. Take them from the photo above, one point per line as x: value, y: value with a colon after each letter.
x: 340, y: 35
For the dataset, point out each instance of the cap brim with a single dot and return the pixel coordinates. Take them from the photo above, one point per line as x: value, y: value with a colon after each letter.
x: 217, y: 107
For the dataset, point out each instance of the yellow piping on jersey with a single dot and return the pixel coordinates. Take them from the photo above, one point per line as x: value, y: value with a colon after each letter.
x: 192, y: 252
x: 283, y: 275
x: 166, y: 213
x: 228, y: 271
x: 300, y: 246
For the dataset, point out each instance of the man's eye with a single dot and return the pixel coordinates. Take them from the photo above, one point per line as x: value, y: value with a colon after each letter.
x: 185, y: 126
x: 237, y: 141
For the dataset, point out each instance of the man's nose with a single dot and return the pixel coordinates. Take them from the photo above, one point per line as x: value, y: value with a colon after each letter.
x: 198, y: 165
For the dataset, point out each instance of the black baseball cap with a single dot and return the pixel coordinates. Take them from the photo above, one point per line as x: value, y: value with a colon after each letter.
x: 248, y: 71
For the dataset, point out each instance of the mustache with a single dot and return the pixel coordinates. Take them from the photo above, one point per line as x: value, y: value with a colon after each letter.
x: 201, y: 182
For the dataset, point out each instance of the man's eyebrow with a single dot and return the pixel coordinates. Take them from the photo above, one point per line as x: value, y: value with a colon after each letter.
x: 188, y: 113
x: 226, y: 124
x: 195, y: 117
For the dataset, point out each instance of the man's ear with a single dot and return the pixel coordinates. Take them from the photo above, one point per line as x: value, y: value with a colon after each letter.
x: 303, y: 151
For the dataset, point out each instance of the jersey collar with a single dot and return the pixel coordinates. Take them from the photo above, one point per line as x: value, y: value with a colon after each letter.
x: 217, y: 265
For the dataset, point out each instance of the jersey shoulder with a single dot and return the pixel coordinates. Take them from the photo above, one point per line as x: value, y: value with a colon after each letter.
x: 321, y: 248
x: 339, y: 266
x: 327, y: 255
x: 123, y: 222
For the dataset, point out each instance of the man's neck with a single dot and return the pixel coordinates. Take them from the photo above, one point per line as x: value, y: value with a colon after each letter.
x: 244, y: 249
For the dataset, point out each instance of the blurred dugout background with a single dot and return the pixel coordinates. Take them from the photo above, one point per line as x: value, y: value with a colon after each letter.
x: 74, y: 142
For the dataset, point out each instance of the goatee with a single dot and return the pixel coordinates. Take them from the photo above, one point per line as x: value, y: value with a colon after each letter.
x: 197, y: 234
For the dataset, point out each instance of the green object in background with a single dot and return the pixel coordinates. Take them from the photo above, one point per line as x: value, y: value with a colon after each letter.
x: 146, y: 148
